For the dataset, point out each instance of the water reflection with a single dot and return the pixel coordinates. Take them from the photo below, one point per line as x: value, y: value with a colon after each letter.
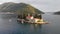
x: 31, y: 28
x: 35, y: 27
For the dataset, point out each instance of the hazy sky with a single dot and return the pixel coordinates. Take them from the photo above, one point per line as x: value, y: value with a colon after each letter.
x: 43, y: 5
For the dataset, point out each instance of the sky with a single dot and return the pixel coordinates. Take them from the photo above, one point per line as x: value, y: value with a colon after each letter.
x: 43, y: 5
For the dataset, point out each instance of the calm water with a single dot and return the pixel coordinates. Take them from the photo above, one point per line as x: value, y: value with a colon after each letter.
x: 9, y: 25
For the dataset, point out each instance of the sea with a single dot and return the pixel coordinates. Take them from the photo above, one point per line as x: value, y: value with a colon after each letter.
x: 10, y: 25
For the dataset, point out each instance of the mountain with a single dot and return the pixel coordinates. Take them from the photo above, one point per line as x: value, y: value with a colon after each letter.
x: 4, y: 7
x: 19, y: 8
x: 57, y: 13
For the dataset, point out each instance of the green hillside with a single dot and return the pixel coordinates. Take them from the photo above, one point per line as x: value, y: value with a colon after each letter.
x: 19, y: 8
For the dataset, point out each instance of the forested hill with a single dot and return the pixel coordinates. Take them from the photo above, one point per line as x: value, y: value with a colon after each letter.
x: 57, y: 13
x: 18, y: 8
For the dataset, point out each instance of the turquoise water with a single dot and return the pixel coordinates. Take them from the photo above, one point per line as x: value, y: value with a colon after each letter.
x: 9, y: 25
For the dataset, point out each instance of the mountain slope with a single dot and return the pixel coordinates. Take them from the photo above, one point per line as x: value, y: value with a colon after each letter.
x: 18, y: 8
x: 57, y: 13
